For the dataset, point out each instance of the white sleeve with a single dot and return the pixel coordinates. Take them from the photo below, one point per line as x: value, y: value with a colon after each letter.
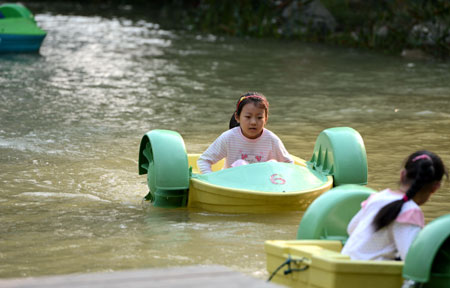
x: 282, y: 155
x: 404, y: 235
x: 215, y: 152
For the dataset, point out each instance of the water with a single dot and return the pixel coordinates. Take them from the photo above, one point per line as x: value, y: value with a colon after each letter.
x: 71, y: 119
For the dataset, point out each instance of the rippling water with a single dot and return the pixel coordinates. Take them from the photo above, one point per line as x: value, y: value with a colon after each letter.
x: 72, y: 118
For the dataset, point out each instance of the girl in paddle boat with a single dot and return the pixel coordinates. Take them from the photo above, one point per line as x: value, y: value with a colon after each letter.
x: 247, y: 141
x: 389, y: 221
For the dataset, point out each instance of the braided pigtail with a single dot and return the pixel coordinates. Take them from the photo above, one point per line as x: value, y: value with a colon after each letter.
x: 422, y: 168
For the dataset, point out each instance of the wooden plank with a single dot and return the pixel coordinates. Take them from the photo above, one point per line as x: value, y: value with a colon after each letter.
x: 187, y: 276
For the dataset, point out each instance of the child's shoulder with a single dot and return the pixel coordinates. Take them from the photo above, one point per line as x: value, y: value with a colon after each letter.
x: 385, y: 195
x: 270, y: 134
x: 233, y: 132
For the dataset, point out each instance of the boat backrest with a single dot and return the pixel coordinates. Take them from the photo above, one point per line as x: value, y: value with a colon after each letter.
x: 328, y: 216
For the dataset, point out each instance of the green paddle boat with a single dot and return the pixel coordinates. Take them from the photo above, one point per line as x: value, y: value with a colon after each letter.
x: 339, y: 157
x: 314, y: 259
x: 18, y: 29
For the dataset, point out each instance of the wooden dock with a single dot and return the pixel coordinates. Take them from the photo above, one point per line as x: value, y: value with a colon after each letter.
x: 188, y: 276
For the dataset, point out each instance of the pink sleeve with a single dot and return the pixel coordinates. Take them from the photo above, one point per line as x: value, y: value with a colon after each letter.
x: 364, y: 203
x: 413, y: 217
x: 215, y: 152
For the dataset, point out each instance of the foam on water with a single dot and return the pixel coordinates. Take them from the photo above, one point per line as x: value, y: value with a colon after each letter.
x: 62, y: 195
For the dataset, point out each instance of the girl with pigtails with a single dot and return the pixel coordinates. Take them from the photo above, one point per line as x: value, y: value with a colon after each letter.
x: 247, y: 141
x: 389, y: 221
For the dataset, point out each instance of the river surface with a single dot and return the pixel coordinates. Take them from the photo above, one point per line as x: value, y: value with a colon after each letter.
x: 72, y: 117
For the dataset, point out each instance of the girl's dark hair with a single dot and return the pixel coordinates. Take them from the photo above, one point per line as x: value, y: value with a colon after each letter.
x: 249, y: 97
x: 422, y: 168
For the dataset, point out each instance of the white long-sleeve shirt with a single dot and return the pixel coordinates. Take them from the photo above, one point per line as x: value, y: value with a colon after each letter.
x: 389, y: 242
x: 233, y: 145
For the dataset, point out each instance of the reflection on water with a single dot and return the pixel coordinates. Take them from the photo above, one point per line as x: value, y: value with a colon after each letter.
x: 72, y: 118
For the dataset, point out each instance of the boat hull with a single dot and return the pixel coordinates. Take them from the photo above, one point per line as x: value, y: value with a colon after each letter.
x: 20, y: 43
x: 222, y: 199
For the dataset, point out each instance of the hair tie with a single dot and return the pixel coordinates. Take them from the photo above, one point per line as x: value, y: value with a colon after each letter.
x: 405, y: 198
x: 423, y: 156
x: 247, y: 96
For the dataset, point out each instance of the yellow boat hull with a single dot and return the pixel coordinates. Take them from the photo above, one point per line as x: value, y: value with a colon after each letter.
x: 221, y: 199
x: 323, y: 266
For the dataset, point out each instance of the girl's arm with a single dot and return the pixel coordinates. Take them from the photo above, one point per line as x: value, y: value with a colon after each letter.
x: 354, y: 222
x: 404, y: 235
x: 282, y: 155
x: 215, y: 152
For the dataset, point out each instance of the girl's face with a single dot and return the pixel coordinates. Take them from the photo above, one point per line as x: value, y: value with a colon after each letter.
x: 252, y: 120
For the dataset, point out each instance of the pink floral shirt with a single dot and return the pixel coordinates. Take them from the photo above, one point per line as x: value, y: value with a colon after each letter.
x: 233, y: 145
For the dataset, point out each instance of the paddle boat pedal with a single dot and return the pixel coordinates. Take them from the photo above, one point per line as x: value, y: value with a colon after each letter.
x: 18, y: 29
x: 339, y: 157
x: 314, y: 259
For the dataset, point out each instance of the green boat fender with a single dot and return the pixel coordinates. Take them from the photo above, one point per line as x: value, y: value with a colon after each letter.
x: 428, y: 258
x: 328, y: 216
x: 163, y: 157
x: 11, y: 10
x: 340, y: 152
x: 17, y: 19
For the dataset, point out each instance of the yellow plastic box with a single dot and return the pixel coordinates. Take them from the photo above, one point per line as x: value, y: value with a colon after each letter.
x: 322, y: 265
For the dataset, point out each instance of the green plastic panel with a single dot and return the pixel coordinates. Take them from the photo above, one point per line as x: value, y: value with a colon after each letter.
x: 18, y: 21
x: 340, y: 152
x: 162, y: 154
x: 328, y: 216
x: 428, y: 258
x: 170, y: 198
x: 11, y: 10
x: 266, y: 177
